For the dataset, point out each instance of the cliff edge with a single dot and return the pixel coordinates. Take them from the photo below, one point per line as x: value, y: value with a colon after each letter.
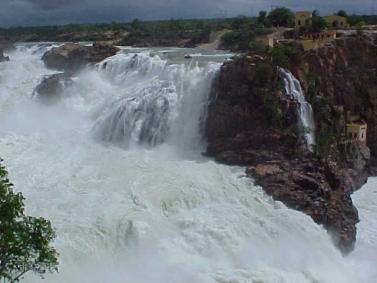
x: 254, y: 123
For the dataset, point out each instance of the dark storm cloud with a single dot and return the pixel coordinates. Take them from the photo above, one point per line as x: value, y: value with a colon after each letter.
x: 51, y: 4
x: 44, y: 12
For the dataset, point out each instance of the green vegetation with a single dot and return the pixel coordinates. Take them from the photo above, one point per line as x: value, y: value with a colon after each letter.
x: 263, y: 20
x: 273, y: 111
x: 283, y: 55
x: 172, y: 32
x: 355, y: 20
x: 267, y: 85
x: 316, y: 24
x: 240, y: 36
x: 324, y: 114
x: 342, y: 13
x: 263, y: 73
x: 326, y: 124
x: 244, y: 32
x: 24, y: 240
x: 243, y: 35
x: 282, y: 17
x: 181, y: 29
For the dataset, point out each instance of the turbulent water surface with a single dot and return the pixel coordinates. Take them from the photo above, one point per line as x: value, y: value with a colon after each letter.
x: 116, y: 166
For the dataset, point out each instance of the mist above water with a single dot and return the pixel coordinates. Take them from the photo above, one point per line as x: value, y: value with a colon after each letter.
x: 116, y: 166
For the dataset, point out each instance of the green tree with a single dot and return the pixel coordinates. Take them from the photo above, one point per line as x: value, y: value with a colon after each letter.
x: 315, y: 13
x: 262, y: 18
x: 283, y: 56
x: 354, y: 20
x: 342, y: 13
x: 241, y: 22
x: 282, y: 17
x: 317, y: 24
x: 24, y: 240
x: 136, y: 24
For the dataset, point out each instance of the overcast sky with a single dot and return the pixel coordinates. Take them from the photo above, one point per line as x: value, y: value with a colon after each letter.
x: 46, y: 12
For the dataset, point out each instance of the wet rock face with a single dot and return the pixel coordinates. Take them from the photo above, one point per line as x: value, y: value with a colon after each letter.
x: 303, y: 184
x: 72, y: 57
x: 249, y: 112
x: 6, y: 44
x: 344, y: 72
x: 2, y: 57
x: 243, y: 128
x: 51, y: 88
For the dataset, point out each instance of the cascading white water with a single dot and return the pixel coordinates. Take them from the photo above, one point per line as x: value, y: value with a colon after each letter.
x: 159, y: 102
x: 294, y: 90
x: 162, y: 214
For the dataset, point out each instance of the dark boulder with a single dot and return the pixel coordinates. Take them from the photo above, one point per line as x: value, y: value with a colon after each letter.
x: 2, y: 57
x: 51, y: 88
x: 71, y: 57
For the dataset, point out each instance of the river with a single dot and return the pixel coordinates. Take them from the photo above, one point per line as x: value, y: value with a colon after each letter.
x: 116, y: 166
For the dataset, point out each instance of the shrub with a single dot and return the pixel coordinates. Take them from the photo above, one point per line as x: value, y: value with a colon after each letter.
x: 24, y: 240
x: 281, y: 17
x: 263, y: 73
x: 282, y: 55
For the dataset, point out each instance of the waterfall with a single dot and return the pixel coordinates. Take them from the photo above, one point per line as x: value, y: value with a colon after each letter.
x: 159, y: 103
x: 294, y: 90
x: 149, y: 214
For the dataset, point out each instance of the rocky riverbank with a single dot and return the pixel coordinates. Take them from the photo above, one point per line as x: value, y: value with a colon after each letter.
x: 69, y: 58
x: 251, y: 122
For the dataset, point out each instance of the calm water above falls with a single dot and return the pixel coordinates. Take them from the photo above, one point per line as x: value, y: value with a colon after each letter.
x: 116, y: 166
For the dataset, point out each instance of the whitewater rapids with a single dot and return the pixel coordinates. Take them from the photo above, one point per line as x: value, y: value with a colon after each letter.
x: 116, y: 167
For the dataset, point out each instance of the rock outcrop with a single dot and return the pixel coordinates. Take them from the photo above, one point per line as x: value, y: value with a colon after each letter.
x: 342, y: 77
x: 252, y: 123
x: 51, y: 88
x: 2, y: 57
x: 72, y: 57
x: 6, y: 44
x: 249, y: 114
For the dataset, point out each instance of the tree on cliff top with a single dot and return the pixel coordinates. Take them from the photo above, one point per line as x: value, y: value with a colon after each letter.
x: 282, y: 17
x: 262, y: 19
x: 24, y: 240
x: 342, y: 13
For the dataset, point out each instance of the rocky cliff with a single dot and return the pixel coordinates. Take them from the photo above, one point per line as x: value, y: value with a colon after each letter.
x: 251, y: 122
x: 71, y: 57
x: 342, y: 77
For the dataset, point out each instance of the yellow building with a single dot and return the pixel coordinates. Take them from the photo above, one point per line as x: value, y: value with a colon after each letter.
x: 301, y: 18
x: 335, y: 21
x: 316, y: 40
x: 266, y: 40
x: 357, y: 130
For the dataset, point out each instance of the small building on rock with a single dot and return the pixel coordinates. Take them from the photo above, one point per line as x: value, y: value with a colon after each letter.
x: 357, y: 130
x: 336, y: 21
x: 301, y: 18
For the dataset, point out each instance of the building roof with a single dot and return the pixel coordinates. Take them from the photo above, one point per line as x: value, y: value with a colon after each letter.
x: 358, y: 123
x: 304, y: 12
x: 333, y: 17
